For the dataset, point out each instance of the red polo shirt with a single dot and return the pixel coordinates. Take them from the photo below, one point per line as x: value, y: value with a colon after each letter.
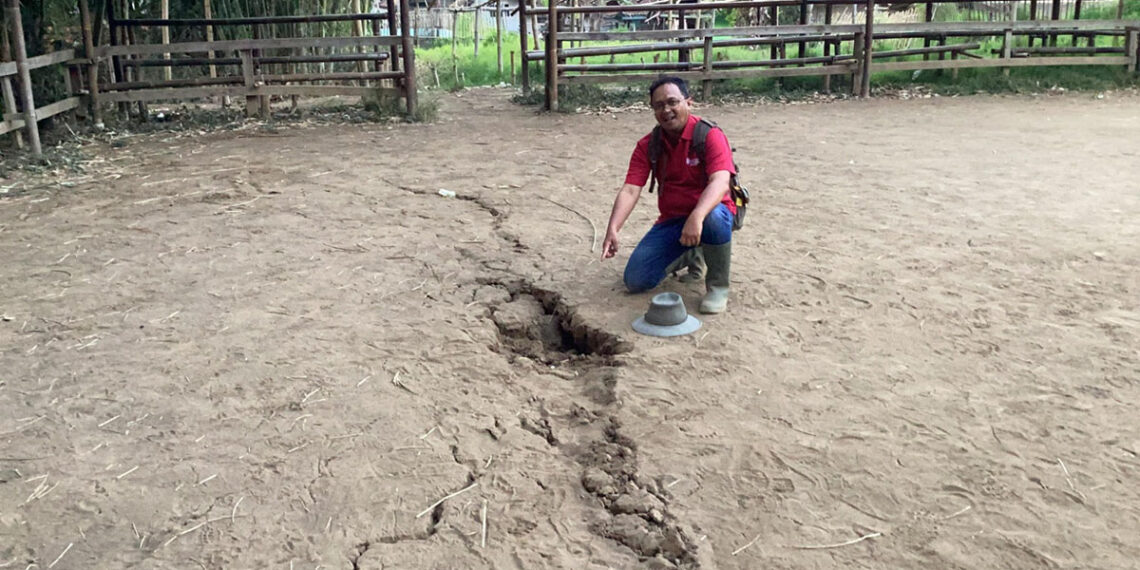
x: 683, y: 176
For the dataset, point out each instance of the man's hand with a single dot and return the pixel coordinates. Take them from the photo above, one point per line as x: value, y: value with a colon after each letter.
x: 691, y: 233
x: 610, y: 245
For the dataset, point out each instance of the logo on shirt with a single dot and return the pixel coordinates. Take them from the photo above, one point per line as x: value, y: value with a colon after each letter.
x: 692, y: 161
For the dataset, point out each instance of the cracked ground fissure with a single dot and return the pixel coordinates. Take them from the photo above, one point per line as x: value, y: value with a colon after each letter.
x: 538, y: 325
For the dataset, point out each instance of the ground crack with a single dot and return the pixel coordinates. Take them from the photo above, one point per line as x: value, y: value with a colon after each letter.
x: 541, y: 325
x: 360, y: 550
x: 640, y: 517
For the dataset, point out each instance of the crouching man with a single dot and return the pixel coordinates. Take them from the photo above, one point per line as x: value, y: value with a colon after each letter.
x: 696, y: 209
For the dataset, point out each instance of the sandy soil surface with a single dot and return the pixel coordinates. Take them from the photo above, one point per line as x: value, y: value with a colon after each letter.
x: 283, y: 349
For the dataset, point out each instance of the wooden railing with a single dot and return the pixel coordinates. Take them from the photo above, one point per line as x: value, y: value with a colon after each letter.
x: 848, y: 49
x: 252, y: 83
x: 13, y: 120
x: 391, y: 48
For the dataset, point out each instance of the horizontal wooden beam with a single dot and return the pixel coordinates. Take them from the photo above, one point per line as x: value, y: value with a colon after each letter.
x: 666, y: 46
x: 44, y: 112
x: 926, y: 50
x: 9, y: 125
x: 1017, y: 62
x: 1064, y: 50
x: 759, y: 31
x: 655, y: 7
x: 728, y: 5
x: 61, y: 56
x: 182, y: 22
x: 51, y: 58
x: 56, y: 108
x: 961, y: 28
x: 235, y: 45
x: 839, y: 69
x: 241, y: 91
x: 324, y: 90
x: 162, y: 94
x: 338, y: 76
x: 198, y: 61
x: 184, y: 82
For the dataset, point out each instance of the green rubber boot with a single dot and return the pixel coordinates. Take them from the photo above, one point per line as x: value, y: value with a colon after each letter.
x: 693, y: 261
x: 719, y: 260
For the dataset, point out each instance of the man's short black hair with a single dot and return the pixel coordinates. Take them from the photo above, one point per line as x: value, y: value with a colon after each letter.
x: 680, y: 83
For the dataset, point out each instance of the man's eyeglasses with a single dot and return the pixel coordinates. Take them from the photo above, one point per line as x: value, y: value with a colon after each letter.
x: 671, y: 103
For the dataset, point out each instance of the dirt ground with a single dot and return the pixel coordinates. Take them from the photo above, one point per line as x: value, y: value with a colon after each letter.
x: 283, y: 348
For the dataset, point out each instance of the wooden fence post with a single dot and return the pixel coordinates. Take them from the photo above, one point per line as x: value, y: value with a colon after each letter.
x: 706, y: 84
x: 25, y: 78
x: 803, y: 21
x: 476, y: 31
x: 115, y: 68
x: 409, y: 57
x: 857, y: 70
x: 1056, y: 15
x: 499, y: 35
x: 393, y: 29
x: 1007, y: 49
x: 92, y: 66
x: 868, y: 39
x: 827, y: 13
x: 552, y: 55
x: 252, y: 102
x: 929, y: 18
x: 522, y: 42
x: 1132, y: 48
x: 167, y: 71
x: 6, y: 86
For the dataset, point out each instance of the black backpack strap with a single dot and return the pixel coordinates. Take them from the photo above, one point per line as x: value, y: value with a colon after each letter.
x: 655, y: 147
x: 700, y: 135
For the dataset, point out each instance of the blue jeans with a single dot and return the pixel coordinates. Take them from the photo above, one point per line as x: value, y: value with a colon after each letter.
x: 662, y: 245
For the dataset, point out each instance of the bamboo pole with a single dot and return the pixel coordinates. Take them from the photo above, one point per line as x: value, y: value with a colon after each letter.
x: 522, y: 42
x: 115, y: 70
x: 206, y: 10
x: 868, y: 40
x: 393, y: 30
x: 534, y: 23
x: 477, y: 10
x: 803, y: 21
x: 6, y: 85
x: 552, y: 55
x: 16, y: 28
x: 92, y: 66
x: 358, y: 31
x: 1077, y: 16
x: 929, y: 16
x: 252, y: 105
x: 409, y: 57
x: 1006, y: 49
x: 706, y: 85
x: 499, y: 35
x: 1132, y: 49
x: 129, y: 38
x: 1055, y: 16
x: 1032, y: 16
x: 1119, y: 16
x: 773, y: 20
x: 166, y: 36
x: 827, y: 13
